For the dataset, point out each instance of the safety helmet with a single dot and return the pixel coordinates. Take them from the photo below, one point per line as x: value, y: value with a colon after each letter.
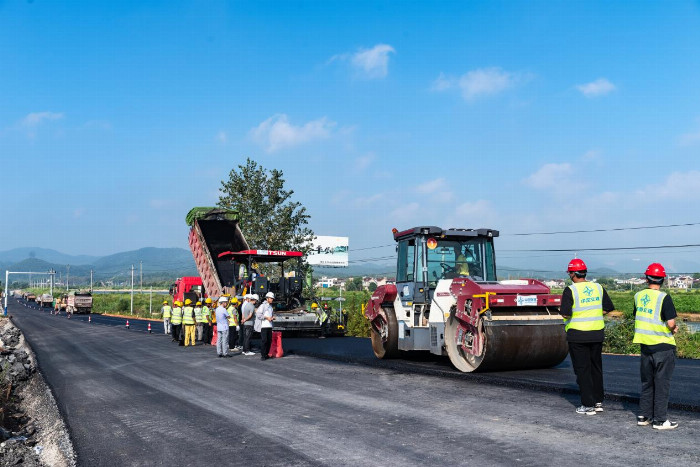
x: 177, y: 303
x: 270, y: 295
x: 198, y: 303
x: 208, y: 300
x: 255, y: 297
x: 576, y: 265
x: 234, y: 300
x: 222, y: 299
x: 188, y: 301
x: 165, y: 302
x: 314, y: 305
x: 655, y: 270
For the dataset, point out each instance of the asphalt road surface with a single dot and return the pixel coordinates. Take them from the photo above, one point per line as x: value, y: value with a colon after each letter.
x: 133, y: 398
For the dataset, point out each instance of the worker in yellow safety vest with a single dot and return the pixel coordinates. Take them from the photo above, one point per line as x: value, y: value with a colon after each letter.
x: 198, y: 320
x: 166, y: 312
x: 176, y: 320
x: 189, y: 322
x: 232, y: 310
x: 654, y: 327
x: 582, y: 306
x: 206, y: 322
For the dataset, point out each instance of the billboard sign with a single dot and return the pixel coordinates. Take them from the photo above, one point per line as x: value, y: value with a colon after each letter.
x: 329, y: 252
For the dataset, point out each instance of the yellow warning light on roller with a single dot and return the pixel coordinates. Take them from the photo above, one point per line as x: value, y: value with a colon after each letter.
x: 431, y: 243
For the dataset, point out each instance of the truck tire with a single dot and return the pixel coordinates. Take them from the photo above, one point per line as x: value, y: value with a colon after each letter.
x: 386, y: 343
x: 461, y: 360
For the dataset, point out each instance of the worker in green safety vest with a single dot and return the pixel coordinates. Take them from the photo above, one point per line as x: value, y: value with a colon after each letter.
x: 198, y: 320
x: 176, y: 320
x: 166, y: 313
x: 654, y: 327
x: 582, y: 306
x: 233, y: 328
x: 188, y: 322
x: 206, y: 322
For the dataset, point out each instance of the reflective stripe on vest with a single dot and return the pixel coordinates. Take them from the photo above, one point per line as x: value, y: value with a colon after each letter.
x: 587, y: 311
x: 166, y: 311
x: 649, y: 329
x: 198, y: 314
x: 177, y: 315
x: 233, y: 314
x: 205, y: 314
x: 188, y: 315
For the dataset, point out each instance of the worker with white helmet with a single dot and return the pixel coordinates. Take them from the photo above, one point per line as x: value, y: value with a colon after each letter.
x: 166, y: 312
x: 248, y: 318
x: 264, y: 316
x: 221, y: 316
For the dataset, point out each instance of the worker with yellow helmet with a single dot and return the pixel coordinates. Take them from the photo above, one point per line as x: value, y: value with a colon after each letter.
x: 188, y: 322
x: 206, y: 322
x: 198, y: 321
x: 166, y: 312
x: 176, y: 320
x: 232, y: 310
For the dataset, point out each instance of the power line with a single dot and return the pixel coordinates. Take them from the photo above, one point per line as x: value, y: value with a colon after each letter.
x: 562, y: 250
x: 616, y: 229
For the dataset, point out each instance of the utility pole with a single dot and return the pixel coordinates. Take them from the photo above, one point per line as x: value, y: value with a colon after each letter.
x: 141, y: 275
x: 150, y: 302
x: 90, y: 280
x: 53, y: 273
x: 132, y: 289
x: 67, y: 275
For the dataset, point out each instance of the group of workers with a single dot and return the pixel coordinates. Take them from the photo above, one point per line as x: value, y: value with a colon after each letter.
x: 229, y: 325
x: 583, y: 304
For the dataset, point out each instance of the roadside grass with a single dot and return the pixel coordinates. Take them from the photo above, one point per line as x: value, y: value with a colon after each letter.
x: 619, y: 335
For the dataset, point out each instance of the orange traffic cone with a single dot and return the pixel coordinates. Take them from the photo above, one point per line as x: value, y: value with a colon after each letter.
x: 273, y: 345
x: 213, y: 337
x: 89, y: 319
x: 127, y: 324
x: 149, y: 328
x: 277, y: 337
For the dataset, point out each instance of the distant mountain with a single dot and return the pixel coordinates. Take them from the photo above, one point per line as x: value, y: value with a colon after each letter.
x: 177, y: 260
x: 52, y: 256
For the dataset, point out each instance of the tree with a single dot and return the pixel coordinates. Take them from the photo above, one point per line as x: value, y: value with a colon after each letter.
x: 354, y: 284
x: 372, y: 287
x: 269, y: 218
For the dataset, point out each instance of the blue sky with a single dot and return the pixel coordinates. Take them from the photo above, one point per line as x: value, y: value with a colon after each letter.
x: 117, y: 117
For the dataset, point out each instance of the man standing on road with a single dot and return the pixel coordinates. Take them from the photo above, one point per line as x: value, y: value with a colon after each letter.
x: 222, y: 328
x: 176, y: 320
x: 265, y: 314
x: 232, y: 311
x: 206, y: 322
x: 166, y: 312
x: 188, y: 322
x: 198, y: 321
x: 654, y: 327
x: 582, y: 306
x: 247, y: 316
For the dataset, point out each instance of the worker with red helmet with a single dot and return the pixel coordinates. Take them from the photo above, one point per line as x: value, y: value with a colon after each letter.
x: 583, y: 304
x: 654, y: 327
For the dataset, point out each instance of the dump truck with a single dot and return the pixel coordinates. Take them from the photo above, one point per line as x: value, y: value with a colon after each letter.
x: 227, y: 265
x: 187, y: 288
x: 448, y: 301
x: 79, y: 302
x: 44, y: 300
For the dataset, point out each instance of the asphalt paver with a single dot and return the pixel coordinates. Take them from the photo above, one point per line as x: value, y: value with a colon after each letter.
x: 132, y: 398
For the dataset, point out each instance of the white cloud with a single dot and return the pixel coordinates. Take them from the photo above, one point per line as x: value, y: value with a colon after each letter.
x: 677, y: 186
x: 277, y: 133
x: 599, y: 87
x: 362, y: 162
x: 35, y: 118
x: 480, y: 82
x: 362, y: 202
x: 557, y: 177
x: 368, y: 63
x: 431, y: 186
x: 405, y: 213
x: 222, y: 137
x: 480, y: 213
x: 690, y: 138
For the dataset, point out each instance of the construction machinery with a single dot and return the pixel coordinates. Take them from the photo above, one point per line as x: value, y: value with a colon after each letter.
x: 44, y: 300
x: 187, y: 288
x: 447, y: 300
x: 227, y: 265
x: 79, y: 302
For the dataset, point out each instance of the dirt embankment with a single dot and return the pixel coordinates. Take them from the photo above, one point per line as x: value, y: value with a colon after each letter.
x: 32, y: 432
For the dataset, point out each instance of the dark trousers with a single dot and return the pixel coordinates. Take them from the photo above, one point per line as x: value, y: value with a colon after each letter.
x: 588, y: 365
x: 266, y: 341
x: 247, y: 334
x: 232, y: 337
x: 656, y: 370
x: 205, y: 334
x: 176, y: 328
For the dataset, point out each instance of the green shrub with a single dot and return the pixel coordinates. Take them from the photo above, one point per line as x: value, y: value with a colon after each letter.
x: 620, y: 333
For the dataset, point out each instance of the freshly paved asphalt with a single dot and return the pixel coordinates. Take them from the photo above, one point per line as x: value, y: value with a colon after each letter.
x: 130, y: 398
